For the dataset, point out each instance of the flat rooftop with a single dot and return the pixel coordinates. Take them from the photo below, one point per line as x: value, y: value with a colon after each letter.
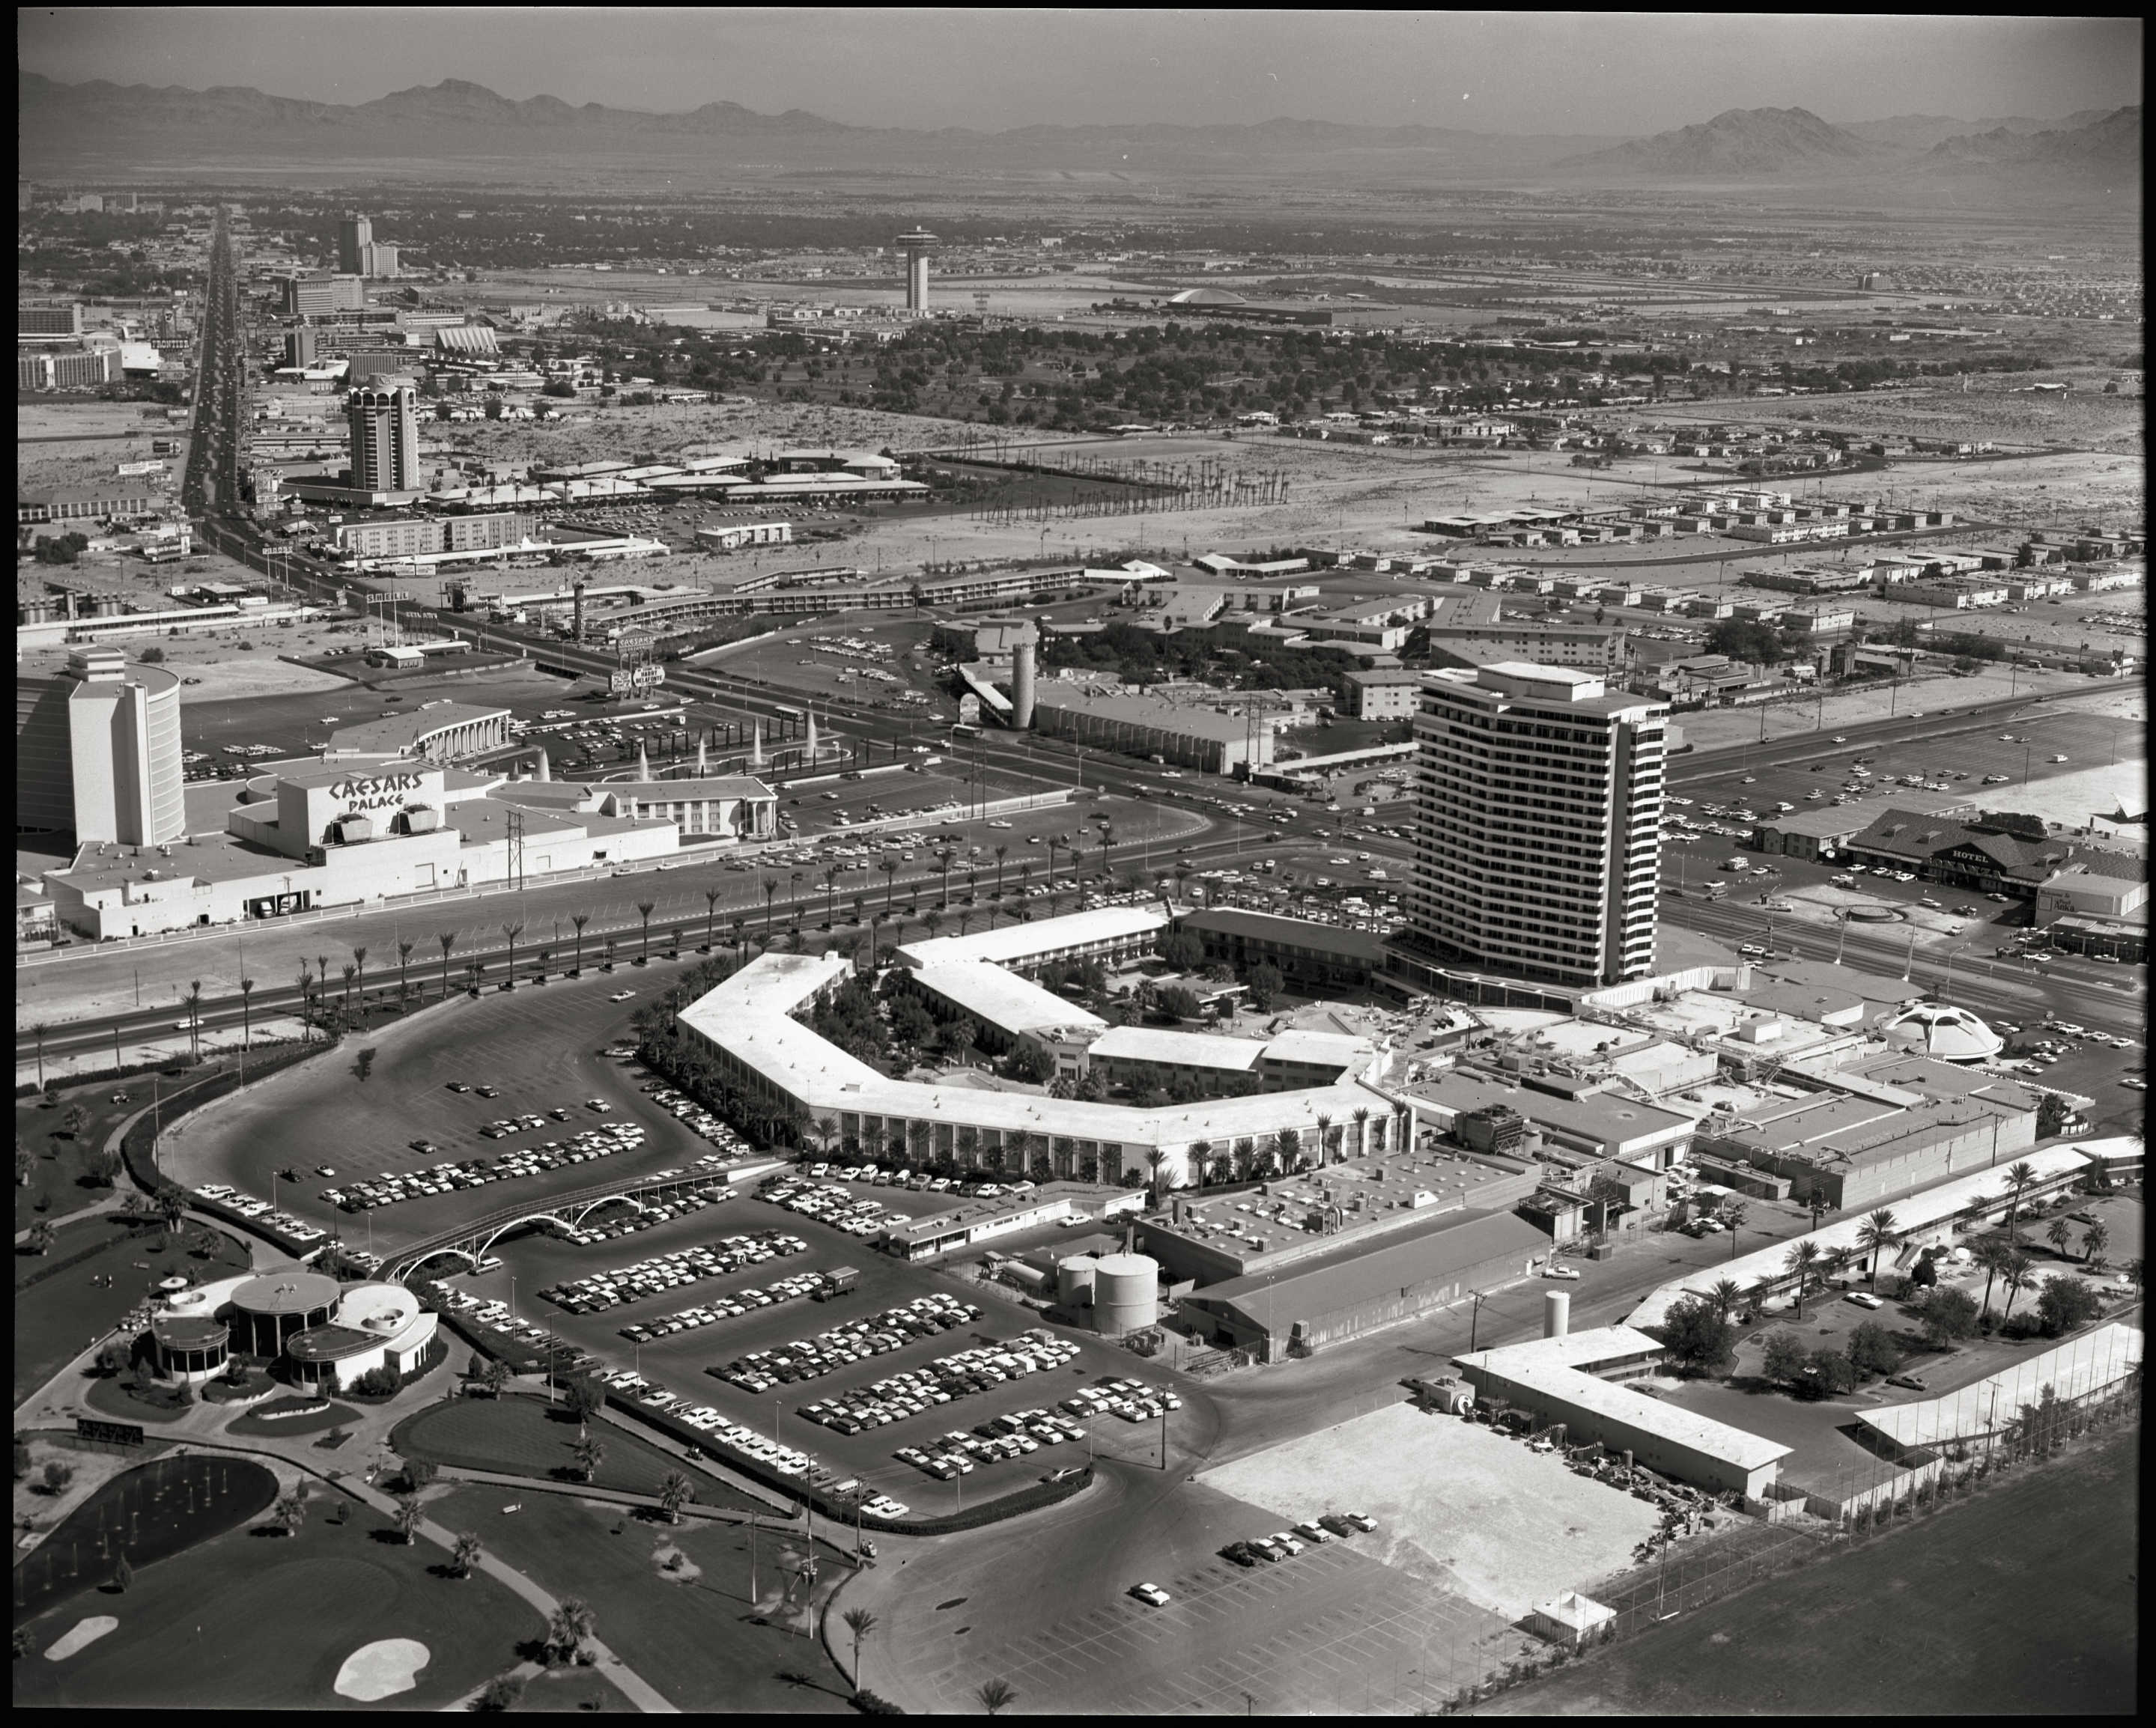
x: 1368, y: 1191
x: 1003, y: 999
x: 1014, y: 944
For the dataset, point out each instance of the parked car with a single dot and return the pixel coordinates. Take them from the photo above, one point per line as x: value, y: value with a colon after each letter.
x: 1151, y: 1594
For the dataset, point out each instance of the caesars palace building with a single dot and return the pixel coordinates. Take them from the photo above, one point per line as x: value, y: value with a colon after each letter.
x: 325, y: 834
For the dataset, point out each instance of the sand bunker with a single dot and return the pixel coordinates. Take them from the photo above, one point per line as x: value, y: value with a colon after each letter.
x: 381, y: 1669
x: 85, y: 1632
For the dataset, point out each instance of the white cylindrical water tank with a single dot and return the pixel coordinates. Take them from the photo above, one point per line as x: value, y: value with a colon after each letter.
x: 1074, y: 1281
x: 1126, y: 1293
x: 1557, y: 1313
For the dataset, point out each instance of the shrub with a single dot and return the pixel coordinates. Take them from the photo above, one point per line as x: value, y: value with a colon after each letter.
x: 1871, y: 1350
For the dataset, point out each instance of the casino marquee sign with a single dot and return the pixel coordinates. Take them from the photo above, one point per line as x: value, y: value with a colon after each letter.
x: 383, y: 792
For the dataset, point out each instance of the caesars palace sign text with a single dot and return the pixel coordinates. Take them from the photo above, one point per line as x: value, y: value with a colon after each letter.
x: 376, y: 794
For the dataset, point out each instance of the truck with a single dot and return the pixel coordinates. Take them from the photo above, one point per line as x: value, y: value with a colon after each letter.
x: 1735, y: 864
x: 836, y: 1283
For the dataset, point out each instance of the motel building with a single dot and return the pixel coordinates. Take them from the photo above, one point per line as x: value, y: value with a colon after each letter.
x: 747, y: 1025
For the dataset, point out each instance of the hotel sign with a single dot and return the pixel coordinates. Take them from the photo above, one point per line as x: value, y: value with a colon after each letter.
x: 380, y: 792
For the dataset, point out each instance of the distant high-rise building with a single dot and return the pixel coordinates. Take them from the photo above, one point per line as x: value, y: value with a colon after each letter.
x: 49, y: 323
x: 385, y: 440
x: 300, y: 346
x: 319, y: 293
x: 1538, y: 839
x: 354, y: 235
x: 97, y: 752
x: 378, y: 259
x: 916, y: 245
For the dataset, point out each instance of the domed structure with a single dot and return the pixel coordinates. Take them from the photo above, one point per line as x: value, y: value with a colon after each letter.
x: 1952, y: 1034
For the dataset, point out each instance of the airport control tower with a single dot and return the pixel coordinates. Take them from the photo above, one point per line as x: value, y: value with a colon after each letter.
x: 916, y: 245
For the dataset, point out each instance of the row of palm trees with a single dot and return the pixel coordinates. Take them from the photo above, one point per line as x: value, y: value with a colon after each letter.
x: 995, y: 1695
x: 2001, y: 1256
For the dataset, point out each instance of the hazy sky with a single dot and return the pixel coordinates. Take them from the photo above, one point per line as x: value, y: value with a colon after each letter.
x: 1597, y: 72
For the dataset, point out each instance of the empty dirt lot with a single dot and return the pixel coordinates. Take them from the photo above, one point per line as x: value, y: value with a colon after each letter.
x: 1456, y: 1505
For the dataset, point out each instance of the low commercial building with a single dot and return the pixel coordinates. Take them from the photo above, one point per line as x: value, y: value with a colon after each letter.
x: 2079, y: 892
x: 1824, y: 832
x: 1382, y: 694
x: 1870, y: 1129
x: 732, y: 536
x: 1309, y: 955
x: 1982, y: 856
x: 1145, y: 1056
x: 1334, y: 1297
x: 2121, y: 938
x: 1596, y: 646
x: 434, y: 732
x: 408, y: 536
x: 1212, y: 738
x: 1577, y: 1379
x: 1591, y: 1124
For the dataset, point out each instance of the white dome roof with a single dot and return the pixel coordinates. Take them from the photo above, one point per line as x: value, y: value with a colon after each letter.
x: 1950, y: 1034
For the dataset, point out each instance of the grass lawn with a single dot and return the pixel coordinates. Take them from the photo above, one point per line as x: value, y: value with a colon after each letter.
x: 571, y: 1689
x: 321, y: 1421
x: 59, y: 1160
x: 526, y: 1437
x: 249, y: 1622
x: 59, y: 1317
x: 2020, y: 1600
x: 693, y: 1641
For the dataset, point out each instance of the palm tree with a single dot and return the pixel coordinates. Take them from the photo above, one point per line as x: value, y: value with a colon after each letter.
x: 409, y: 1517
x: 1991, y: 1254
x: 741, y: 935
x: 494, y: 1376
x: 403, y: 973
x: 246, y: 1017
x: 448, y: 939
x: 1002, y: 852
x: 2059, y: 1234
x: 770, y: 894
x: 464, y: 1557
x: 1733, y: 1215
x: 171, y: 1209
x: 589, y: 1454
x: 1725, y: 1296
x: 1201, y: 1158
x: 889, y: 866
x: 1324, y: 1134
x: 830, y: 895
x: 1877, y: 1234
x: 2094, y: 1241
x: 712, y: 896
x: 2020, y: 1179
x: 578, y: 921
x: 944, y: 857
x: 359, y: 965
x: 675, y: 1492
x: 291, y: 1511
x: 349, y: 972
x: 512, y: 932
x: 934, y: 921
x: 569, y: 1626
x: 2017, y: 1274
x: 1804, y: 1261
x: 194, y: 1017
x: 860, y: 1623
x: 644, y: 910
x: 995, y: 1695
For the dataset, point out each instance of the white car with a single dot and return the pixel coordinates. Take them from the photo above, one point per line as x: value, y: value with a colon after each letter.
x: 621, y: 996
x: 1151, y: 1594
x: 1560, y: 1271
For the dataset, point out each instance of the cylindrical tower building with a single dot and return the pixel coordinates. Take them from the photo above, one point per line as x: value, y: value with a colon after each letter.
x: 1126, y: 1293
x: 1022, y: 686
x: 916, y: 245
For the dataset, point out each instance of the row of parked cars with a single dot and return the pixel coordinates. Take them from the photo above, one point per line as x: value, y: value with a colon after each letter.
x: 958, y: 1453
x: 727, y: 1307
x: 877, y: 1334
x: 598, y: 1291
x: 831, y: 1205
x: 416, y: 1184
x: 260, y: 1210
x: 695, y: 1117
x: 1286, y: 1544
x: 1133, y: 1400
x: 920, y: 1182
x: 787, y: 1460
x: 961, y: 1374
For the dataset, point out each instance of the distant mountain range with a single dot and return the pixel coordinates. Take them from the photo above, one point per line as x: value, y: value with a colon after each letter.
x: 99, y: 126
x: 1921, y: 131
x: 1740, y: 141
